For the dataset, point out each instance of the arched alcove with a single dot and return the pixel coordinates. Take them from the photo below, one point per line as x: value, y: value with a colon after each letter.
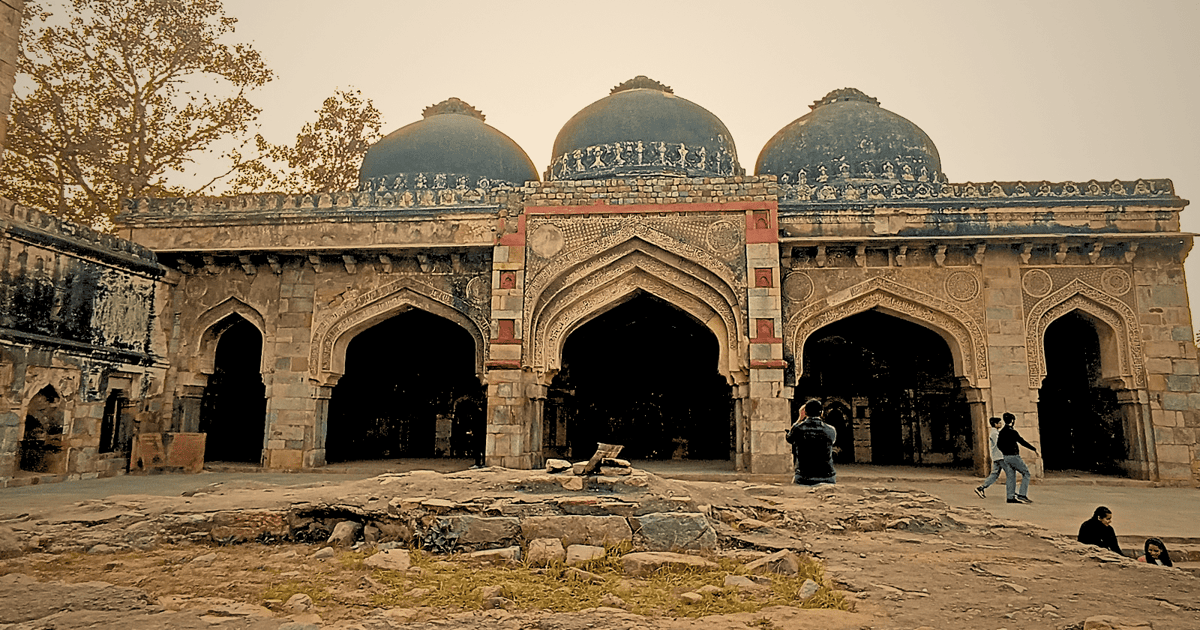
x: 409, y: 390
x: 1079, y: 415
x: 642, y: 374
x: 42, y: 433
x: 896, y: 381
x: 233, y: 409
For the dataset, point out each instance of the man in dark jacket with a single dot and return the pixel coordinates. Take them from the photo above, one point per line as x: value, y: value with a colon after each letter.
x: 1008, y: 445
x: 812, y: 447
x: 1098, y: 531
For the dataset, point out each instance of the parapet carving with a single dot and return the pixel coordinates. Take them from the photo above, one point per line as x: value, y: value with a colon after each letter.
x: 643, y: 158
x: 909, y: 185
x: 1079, y: 295
x: 404, y: 190
x: 965, y: 338
x: 73, y: 231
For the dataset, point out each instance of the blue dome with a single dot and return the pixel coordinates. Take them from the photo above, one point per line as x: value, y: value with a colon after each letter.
x: 452, y: 141
x: 848, y: 137
x: 642, y: 128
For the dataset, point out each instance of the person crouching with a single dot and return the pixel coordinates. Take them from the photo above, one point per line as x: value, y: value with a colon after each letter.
x: 812, y: 447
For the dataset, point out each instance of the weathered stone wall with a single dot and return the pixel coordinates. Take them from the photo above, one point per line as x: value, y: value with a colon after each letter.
x: 78, y: 314
x: 10, y: 30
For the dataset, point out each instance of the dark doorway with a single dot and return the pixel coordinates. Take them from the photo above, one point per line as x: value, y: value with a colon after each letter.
x: 1078, y: 417
x: 410, y: 390
x: 234, y: 408
x: 897, y: 393
x: 116, y: 430
x: 41, y: 441
x: 644, y: 375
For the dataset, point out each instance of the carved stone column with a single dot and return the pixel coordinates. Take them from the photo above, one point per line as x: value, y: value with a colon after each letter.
x: 977, y: 407
x: 1141, y: 458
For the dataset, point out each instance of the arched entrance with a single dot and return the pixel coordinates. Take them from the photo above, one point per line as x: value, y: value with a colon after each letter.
x: 233, y: 409
x: 409, y: 390
x: 116, y: 430
x: 1078, y: 415
x: 42, y: 436
x: 893, y: 382
x: 644, y: 375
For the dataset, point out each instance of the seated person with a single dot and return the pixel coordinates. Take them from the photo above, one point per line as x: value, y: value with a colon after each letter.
x: 1156, y: 553
x: 1098, y: 531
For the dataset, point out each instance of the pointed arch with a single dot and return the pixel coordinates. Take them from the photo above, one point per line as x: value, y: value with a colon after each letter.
x: 633, y: 264
x: 1120, y: 336
x: 212, y: 323
x: 336, y: 329
x: 961, y: 333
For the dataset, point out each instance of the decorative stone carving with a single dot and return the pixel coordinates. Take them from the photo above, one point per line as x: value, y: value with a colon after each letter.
x: 597, y: 161
x: 1037, y: 283
x: 797, y: 287
x: 1115, y: 281
x: 479, y: 290
x: 851, y: 190
x: 962, y: 286
x: 723, y: 237
x: 1078, y: 295
x: 546, y: 241
x: 969, y: 348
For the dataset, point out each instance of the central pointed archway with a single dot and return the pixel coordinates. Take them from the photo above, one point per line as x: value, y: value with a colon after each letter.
x: 642, y: 374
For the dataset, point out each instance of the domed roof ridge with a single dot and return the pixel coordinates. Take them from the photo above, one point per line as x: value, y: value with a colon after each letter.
x: 642, y: 81
x: 844, y: 94
x: 452, y: 105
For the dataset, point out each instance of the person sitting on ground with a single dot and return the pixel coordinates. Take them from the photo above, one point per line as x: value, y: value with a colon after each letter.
x: 1098, y: 531
x: 1156, y: 553
x: 812, y: 447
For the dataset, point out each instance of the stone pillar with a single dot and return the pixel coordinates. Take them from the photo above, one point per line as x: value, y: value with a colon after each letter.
x: 977, y: 407
x: 315, y: 456
x: 1004, y: 320
x: 515, y: 402
x: 292, y: 401
x: 768, y: 406
x: 1141, y: 460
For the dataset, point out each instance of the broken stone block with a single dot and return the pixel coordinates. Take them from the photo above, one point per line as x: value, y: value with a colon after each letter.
x: 1109, y: 622
x: 807, y: 590
x: 614, y: 471
x: 744, y: 583
x: 583, y: 576
x: 545, y: 551
x: 673, y: 531
x: 578, y: 468
x: 488, y: 592
x: 475, y: 530
x: 783, y: 562
x: 579, y: 554
x: 709, y: 589
x: 390, y: 560
x: 572, y: 483
x: 645, y: 562
x: 344, y: 534
x: 615, y: 463
x: 506, y: 555
x: 298, y: 603
x: 578, y: 530
x: 323, y: 553
x: 372, y: 534
x: 557, y: 465
x: 691, y: 598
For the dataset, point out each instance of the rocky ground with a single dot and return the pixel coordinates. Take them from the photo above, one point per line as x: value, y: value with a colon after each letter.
x: 500, y: 548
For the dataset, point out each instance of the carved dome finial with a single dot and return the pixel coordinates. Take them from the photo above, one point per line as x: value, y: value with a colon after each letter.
x: 642, y: 81
x: 844, y: 94
x: 452, y: 105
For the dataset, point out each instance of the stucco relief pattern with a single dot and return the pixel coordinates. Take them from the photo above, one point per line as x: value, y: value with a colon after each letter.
x: 1078, y: 294
x: 405, y: 291
x: 562, y: 311
x: 1040, y: 282
x: 883, y: 292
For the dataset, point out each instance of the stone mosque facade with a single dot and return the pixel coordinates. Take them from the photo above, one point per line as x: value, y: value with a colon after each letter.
x: 645, y: 289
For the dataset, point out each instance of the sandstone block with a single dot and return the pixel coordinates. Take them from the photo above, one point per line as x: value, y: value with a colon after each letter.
x: 557, y: 465
x: 783, y: 562
x: 1109, y: 622
x: 577, y: 530
x: 807, y: 590
x: 579, y: 554
x: 390, y: 560
x: 344, y: 534
x: 298, y: 603
x: 670, y: 531
x: 545, y: 551
x: 646, y: 562
x: 506, y: 555
x: 574, y: 573
x: 474, y: 530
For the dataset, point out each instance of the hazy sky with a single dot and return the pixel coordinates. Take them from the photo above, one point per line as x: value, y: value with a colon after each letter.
x: 1007, y: 90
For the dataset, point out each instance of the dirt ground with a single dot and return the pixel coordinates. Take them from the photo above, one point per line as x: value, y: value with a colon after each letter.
x: 899, y: 558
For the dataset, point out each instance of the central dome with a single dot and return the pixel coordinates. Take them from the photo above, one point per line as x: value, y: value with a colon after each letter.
x: 452, y: 146
x: 642, y: 128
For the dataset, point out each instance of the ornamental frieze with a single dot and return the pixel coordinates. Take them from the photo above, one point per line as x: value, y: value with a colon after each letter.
x: 601, y: 160
x: 804, y: 189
